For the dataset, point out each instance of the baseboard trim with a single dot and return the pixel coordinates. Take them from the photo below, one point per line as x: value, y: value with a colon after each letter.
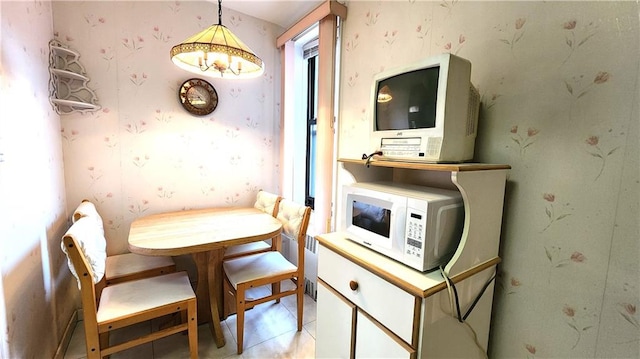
x: 66, y: 336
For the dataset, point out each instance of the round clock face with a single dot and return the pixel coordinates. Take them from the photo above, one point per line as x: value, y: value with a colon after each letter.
x: 198, y: 97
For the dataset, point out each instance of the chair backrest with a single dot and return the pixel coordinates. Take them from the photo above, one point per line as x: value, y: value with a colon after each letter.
x: 295, y: 221
x: 85, y: 247
x: 267, y: 202
x: 92, y: 247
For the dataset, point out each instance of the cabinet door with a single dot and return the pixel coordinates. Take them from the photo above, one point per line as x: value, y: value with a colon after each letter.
x: 334, y: 324
x: 375, y: 341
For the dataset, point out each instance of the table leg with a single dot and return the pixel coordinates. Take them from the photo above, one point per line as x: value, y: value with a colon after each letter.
x: 215, y: 294
x: 207, y: 264
x: 276, y: 243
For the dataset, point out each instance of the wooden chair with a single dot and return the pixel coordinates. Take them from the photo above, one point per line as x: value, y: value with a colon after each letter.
x: 268, y: 203
x: 123, y: 304
x: 269, y: 268
x: 127, y: 266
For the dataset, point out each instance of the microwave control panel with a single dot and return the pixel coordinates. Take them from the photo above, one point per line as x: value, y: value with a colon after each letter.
x: 415, y: 233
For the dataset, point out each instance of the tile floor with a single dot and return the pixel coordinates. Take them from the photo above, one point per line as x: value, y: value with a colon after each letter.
x: 270, y: 332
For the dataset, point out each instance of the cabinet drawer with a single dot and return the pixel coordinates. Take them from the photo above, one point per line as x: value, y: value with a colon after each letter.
x: 391, y: 306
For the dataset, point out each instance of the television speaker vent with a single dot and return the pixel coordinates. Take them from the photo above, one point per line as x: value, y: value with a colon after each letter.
x: 434, y: 144
x: 474, y: 109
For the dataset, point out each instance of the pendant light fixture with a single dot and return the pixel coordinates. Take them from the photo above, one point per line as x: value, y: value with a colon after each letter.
x: 384, y: 95
x: 217, y: 52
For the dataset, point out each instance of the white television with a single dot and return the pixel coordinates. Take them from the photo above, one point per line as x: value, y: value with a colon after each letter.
x: 425, y: 112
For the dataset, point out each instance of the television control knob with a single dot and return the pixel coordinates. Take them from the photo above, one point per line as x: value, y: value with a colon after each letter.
x: 353, y: 285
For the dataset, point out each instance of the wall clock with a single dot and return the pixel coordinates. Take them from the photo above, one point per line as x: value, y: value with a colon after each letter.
x: 198, y: 97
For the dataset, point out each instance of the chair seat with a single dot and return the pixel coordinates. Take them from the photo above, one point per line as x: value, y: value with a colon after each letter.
x: 128, y: 264
x: 247, y: 248
x: 256, y: 266
x: 123, y: 299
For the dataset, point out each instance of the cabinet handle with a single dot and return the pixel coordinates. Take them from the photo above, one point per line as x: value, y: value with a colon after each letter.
x: 353, y: 285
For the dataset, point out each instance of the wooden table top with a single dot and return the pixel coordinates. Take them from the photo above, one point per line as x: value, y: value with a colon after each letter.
x: 192, y: 231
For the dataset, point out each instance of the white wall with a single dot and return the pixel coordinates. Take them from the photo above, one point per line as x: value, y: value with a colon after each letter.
x: 37, y: 296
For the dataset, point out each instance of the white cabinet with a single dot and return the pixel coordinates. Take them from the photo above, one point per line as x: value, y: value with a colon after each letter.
x: 370, y: 306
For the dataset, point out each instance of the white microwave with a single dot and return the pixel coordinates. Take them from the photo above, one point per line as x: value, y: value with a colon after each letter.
x: 418, y: 226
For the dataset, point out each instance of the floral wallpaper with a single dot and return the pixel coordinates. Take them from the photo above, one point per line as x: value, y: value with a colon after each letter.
x: 142, y: 153
x: 559, y: 87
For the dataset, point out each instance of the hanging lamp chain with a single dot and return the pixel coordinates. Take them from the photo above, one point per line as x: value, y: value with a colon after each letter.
x: 219, y: 12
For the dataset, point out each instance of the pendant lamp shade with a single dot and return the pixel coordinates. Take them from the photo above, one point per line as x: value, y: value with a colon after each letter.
x: 217, y: 52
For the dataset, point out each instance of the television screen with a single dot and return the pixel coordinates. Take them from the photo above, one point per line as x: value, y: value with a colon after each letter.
x: 407, y: 100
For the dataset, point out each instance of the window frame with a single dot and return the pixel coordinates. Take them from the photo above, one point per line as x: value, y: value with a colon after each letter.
x: 328, y: 16
x: 312, y: 120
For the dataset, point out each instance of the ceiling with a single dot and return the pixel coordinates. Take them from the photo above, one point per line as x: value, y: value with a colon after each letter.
x: 284, y: 13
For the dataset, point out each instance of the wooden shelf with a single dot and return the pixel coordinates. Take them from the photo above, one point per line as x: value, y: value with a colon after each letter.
x: 69, y: 74
x: 76, y: 105
x: 445, y: 167
x: 64, y: 51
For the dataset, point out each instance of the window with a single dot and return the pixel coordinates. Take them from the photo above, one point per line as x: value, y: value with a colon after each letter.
x: 324, y: 22
x: 311, y: 90
x: 303, y: 126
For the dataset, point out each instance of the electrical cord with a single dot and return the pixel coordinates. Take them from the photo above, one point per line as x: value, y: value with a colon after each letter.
x: 446, y: 279
x: 453, y: 294
x: 475, y: 301
x: 451, y: 286
x: 369, y: 157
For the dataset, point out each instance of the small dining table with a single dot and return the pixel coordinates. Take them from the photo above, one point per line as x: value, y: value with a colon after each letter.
x: 204, y: 234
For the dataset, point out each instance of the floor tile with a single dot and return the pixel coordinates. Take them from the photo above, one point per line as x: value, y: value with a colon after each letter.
x: 263, y: 322
x: 292, y: 344
x: 177, y: 345
x: 308, y: 309
x: 311, y: 328
x: 76, y: 348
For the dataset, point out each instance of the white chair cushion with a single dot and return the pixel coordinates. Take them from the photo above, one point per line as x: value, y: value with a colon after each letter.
x: 128, y: 263
x: 256, y: 266
x: 123, y: 299
x: 291, y: 215
x: 90, y: 239
x: 265, y: 201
